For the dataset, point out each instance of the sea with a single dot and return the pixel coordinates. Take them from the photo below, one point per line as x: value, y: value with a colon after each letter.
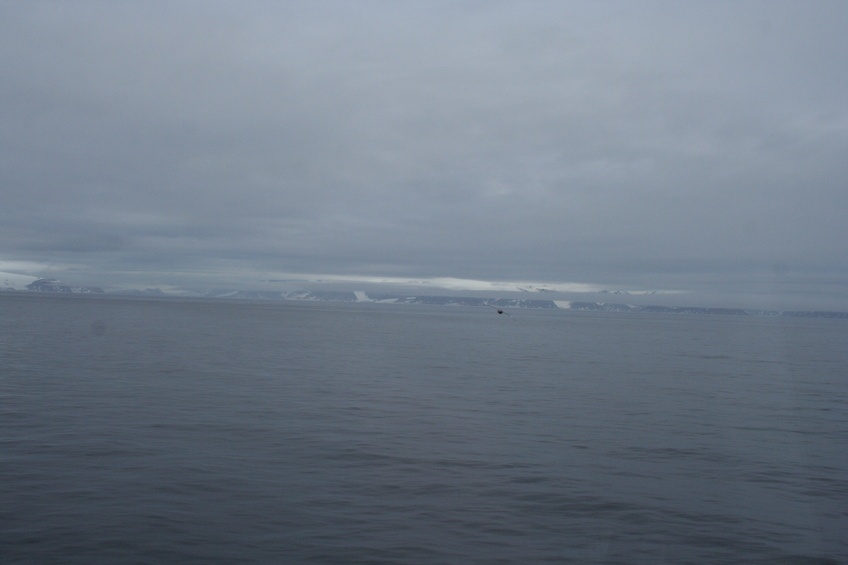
x: 192, y: 431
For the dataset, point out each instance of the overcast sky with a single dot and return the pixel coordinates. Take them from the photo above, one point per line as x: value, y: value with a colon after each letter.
x: 670, y: 145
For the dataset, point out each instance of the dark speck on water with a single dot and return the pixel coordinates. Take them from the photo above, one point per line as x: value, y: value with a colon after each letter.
x: 193, y: 431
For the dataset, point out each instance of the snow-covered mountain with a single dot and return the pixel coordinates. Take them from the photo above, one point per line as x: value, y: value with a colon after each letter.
x: 13, y: 281
x: 611, y: 307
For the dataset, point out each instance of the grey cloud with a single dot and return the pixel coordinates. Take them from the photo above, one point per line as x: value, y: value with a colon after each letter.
x: 549, y: 141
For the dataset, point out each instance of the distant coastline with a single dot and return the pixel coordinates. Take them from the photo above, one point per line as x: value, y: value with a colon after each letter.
x: 55, y: 287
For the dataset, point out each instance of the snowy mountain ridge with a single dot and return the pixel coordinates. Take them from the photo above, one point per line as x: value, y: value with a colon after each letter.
x: 16, y: 282
x: 13, y: 281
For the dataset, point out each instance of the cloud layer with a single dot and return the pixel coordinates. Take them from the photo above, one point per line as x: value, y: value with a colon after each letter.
x: 643, y: 144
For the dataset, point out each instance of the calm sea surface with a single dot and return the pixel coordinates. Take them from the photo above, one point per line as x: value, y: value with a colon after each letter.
x: 212, y: 432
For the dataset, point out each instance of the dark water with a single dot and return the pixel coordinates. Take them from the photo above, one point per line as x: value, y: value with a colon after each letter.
x: 168, y: 431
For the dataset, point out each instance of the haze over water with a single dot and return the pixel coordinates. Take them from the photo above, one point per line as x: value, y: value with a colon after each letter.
x: 196, y: 431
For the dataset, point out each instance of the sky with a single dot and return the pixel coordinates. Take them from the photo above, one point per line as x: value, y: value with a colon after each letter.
x: 678, y: 146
